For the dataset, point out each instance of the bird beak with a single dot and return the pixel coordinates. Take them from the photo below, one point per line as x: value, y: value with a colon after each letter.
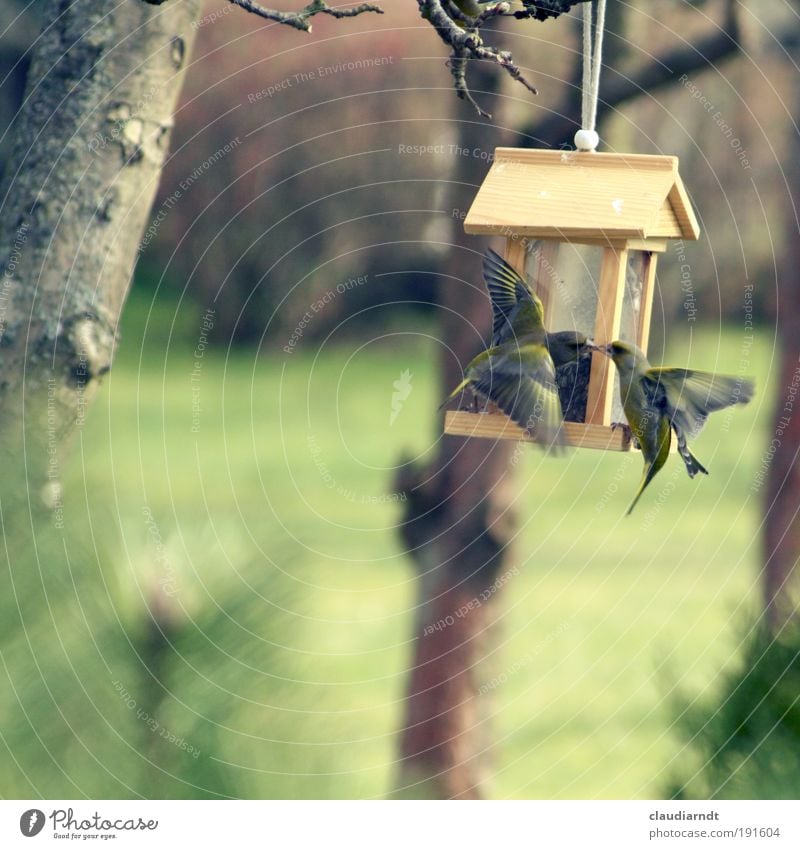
x: 606, y: 350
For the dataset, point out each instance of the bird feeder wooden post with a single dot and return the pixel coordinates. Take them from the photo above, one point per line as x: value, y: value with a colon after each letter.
x: 585, y: 230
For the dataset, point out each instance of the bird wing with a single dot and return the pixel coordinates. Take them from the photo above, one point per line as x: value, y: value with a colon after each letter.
x: 522, y: 382
x: 688, y: 396
x: 506, y: 290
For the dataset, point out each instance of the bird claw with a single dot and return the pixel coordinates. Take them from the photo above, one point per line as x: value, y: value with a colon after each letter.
x: 626, y: 430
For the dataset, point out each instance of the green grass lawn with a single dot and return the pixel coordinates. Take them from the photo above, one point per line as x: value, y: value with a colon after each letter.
x: 268, y: 513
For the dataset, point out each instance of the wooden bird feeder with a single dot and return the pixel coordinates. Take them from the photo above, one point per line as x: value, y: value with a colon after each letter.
x: 585, y: 230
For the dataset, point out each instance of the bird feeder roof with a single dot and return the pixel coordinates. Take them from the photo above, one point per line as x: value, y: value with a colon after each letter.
x: 576, y: 196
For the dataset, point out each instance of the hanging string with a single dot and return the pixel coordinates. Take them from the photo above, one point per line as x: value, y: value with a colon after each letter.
x: 586, y: 138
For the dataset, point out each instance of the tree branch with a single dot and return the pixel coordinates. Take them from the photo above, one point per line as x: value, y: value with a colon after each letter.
x: 453, y: 21
x: 662, y: 71
x: 299, y: 20
x: 467, y: 45
x: 459, y: 31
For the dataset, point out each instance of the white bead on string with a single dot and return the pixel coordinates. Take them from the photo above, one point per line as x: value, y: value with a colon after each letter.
x: 586, y: 139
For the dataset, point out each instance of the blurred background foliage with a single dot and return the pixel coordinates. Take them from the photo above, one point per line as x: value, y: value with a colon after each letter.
x: 745, y: 743
x: 276, y: 610
x: 242, y: 586
x: 316, y: 189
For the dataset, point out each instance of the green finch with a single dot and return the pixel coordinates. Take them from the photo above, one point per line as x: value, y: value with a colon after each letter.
x: 519, y: 377
x: 472, y: 8
x: 659, y: 400
x: 516, y: 310
x: 517, y: 372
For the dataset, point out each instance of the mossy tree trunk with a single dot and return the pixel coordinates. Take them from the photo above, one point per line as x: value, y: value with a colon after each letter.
x: 89, y: 144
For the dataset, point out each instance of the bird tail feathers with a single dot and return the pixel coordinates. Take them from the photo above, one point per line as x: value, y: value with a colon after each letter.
x: 693, y: 465
x: 464, y: 383
x: 650, y: 473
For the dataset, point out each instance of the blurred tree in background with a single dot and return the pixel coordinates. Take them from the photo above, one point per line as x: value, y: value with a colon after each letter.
x: 323, y: 116
x: 314, y: 193
x: 335, y: 168
x: 335, y: 138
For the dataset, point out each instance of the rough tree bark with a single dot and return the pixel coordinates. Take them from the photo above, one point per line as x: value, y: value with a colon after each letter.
x: 90, y: 141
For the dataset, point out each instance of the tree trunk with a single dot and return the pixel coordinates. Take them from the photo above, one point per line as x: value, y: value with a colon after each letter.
x: 458, y: 520
x: 451, y: 527
x: 781, y: 543
x: 89, y: 144
x: 460, y: 517
x: 456, y: 530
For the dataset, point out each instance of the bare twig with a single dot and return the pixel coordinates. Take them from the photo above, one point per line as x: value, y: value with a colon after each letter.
x: 660, y: 72
x: 299, y: 20
x: 460, y: 32
x: 455, y: 26
x: 458, y: 68
x: 493, y: 10
x: 455, y: 13
x: 467, y: 44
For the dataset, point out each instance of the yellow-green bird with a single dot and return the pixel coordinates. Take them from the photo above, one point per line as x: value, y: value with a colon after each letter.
x: 515, y: 309
x: 517, y: 371
x: 472, y: 8
x: 659, y: 400
x: 519, y: 377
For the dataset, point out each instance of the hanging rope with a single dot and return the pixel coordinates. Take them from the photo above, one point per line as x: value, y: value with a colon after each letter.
x: 586, y: 138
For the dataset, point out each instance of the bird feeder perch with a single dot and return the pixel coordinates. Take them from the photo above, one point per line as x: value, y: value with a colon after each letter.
x: 584, y: 230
